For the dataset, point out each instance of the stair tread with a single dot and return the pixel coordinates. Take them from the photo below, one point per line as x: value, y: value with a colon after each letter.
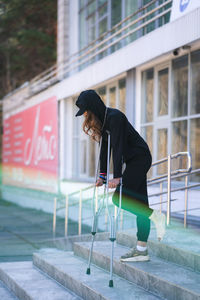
x: 75, y: 267
x: 5, y: 294
x: 33, y: 282
x: 157, y: 267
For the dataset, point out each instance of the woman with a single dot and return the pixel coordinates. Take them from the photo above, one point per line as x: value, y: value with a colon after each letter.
x: 129, y: 147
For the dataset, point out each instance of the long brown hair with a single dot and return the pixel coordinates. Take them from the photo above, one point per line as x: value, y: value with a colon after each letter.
x: 92, y: 126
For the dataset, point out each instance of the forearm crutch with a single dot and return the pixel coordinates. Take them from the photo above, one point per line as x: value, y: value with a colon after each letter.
x: 112, y: 218
x: 95, y: 213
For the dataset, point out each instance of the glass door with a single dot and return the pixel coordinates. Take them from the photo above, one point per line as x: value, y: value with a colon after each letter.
x: 162, y: 116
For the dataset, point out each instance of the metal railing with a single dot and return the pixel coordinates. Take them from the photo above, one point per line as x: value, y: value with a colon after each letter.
x: 160, y: 179
x: 170, y: 174
x: 119, y: 35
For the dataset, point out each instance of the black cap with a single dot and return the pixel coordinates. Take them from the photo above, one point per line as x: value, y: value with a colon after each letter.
x: 81, y: 111
x: 89, y: 100
x: 81, y: 103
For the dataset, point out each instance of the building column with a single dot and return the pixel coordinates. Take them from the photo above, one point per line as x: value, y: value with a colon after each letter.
x: 62, y: 34
x: 131, y: 96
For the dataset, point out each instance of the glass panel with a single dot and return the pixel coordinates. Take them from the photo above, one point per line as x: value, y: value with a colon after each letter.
x: 163, y: 92
x: 91, y: 7
x: 91, y: 34
x: 165, y: 18
x: 150, y: 26
x: 91, y: 20
x: 179, y: 142
x: 180, y: 86
x: 112, y: 97
x: 103, y: 11
x: 162, y: 139
x: 195, y: 145
x: 102, y: 93
x: 103, y: 27
x: 122, y: 95
x: 147, y: 134
x: 82, y: 35
x: 130, y: 8
x: 101, y: 2
x: 147, y: 96
x: 195, y: 82
x: 81, y: 3
x: 92, y: 158
x: 115, y: 12
x: 83, y: 157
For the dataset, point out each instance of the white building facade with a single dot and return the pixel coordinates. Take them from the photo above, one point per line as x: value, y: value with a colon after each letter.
x: 142, y: 57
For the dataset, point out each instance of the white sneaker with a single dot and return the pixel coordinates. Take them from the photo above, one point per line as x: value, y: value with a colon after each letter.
x: 159, y: 221
x: 135, y: 255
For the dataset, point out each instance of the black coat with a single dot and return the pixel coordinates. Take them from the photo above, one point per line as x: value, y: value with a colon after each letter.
x: 126, y: 143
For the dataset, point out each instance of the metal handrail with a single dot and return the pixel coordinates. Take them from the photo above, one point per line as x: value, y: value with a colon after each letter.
x: 58, y: 71
x: 169, y: 176
x: 94, y: 44
x: 176, y: 155
x: 117, y: 40
x: 176, y: 176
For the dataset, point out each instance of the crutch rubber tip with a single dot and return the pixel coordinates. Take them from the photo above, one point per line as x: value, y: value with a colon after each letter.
x: 110, y: 283
x: 88, y: 271
x: 112, y: 239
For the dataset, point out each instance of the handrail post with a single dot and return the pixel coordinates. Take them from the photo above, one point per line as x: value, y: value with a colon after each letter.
x: 161, y: 196
x: 186, y: 201
x: 66, y: 214
x: 168, y: 189
x: 80, y: 213
x: 96, y: 200
x: 54, y: 217
x: 106, y: 220
x: 121, y: 219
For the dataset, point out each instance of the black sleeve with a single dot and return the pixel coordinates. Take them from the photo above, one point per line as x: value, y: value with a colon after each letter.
x: 118, y: 134
x: 103, y: 154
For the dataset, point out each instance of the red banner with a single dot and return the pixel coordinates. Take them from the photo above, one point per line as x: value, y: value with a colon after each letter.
x: 30, y: 147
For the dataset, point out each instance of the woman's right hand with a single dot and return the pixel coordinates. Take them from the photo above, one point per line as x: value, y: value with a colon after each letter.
x: 99, y: 182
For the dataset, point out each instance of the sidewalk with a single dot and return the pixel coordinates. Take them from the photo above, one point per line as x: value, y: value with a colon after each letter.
x: 24, y: 230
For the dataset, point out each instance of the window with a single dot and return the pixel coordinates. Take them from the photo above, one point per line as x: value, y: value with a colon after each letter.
x: 163, y: 92
x: 180, y: 86
x: 195, y: 144
x: 147, y: 95
x: 98, y: 20
x: 172, y: 123
x: 195, y: 83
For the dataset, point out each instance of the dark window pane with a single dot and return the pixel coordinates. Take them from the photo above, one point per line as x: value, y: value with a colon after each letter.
x: 115, y: 12
x: 195, y: 82
x: 180, y: 86
x: 163, y: 92
x: 195, y: 145
x: 147, y: 95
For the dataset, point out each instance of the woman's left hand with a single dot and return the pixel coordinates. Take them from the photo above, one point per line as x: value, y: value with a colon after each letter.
x: 113, y: 183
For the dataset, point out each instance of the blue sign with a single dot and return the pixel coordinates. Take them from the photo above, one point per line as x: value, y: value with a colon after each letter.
x: 183, y: 5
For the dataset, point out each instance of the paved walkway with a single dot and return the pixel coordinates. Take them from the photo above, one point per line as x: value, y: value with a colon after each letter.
x: 23, y: 230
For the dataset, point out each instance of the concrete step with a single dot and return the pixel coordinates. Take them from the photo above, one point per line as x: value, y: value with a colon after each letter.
x: 5, y: 294
x: 70, y: 271
x: 186, y: 252
x: 29, y: 283
x: 157, y: 276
